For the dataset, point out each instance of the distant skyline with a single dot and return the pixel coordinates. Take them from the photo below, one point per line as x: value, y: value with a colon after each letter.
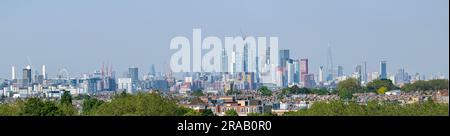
x: 81, y: 35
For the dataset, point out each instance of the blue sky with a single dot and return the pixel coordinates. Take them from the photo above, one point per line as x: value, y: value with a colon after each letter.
x: 80, y: 35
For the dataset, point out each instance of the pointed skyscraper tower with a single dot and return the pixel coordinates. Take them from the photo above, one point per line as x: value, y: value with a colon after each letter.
x: 330, y: 69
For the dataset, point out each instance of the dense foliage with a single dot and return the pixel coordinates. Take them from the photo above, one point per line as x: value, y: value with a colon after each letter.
x: 13, y: 109
x: 296, y: 90
x: 90, y: 105
x: 208, y: 112
x: 153, y: 104
x: 37, y: 107
x: 261, y: 114
x: 197, y: 93
x: 141, y: 104
x: 348, y: 87
x: 338, y: 108
x: 438, y: 84
x: 265, y: 91
x: 376, y: 84
x: 231, y: 112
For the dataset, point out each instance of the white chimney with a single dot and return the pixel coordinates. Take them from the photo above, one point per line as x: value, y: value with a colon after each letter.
x: 43, y: 72
x: 13, y: 73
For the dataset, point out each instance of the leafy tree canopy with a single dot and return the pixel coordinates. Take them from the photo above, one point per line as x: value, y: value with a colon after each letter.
x: 231, y: 112
x: 265, y: 91
x: 347, y: 87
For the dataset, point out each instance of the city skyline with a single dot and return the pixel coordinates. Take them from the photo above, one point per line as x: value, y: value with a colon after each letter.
x: 413, y: 37
x: 299, y: 67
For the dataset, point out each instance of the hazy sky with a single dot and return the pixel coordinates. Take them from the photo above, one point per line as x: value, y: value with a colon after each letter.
x: 81, y: 34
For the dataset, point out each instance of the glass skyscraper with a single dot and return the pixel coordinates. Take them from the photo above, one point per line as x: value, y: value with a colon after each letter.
x: 284, y: 56
x: 133, y: 73
x: 383, y: 71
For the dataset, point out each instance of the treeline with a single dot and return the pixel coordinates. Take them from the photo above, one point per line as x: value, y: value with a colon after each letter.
x: 141, y: 104
x: 348, y: 87
x: 339, y: 108
x: 39, y: 107
x: 345, y: 88
x: 437, y: 84
x: 297, y: 90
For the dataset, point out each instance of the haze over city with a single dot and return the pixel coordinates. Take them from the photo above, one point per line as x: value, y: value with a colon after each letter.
x: 81, y: 35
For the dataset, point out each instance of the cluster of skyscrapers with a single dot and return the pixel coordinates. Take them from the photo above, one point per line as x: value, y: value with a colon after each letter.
x: 287, y: 72
x: 293, y: 71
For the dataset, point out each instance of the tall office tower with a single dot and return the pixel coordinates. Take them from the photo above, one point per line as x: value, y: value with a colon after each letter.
x: 329, y: 68
x: 239, y: 60
x: 296, y: 71
x: 358, y: 72
x: 224, y: 64
x: 27, y: 76
x: 401, y: 77
x: 44, y: 73
x: 309, y: 81
x: 35, y: 76
x: 340, y: 71
x: 113, y: 74
x: 13, y: 73
x: 284, y: 56
x: 152, y: 70
x: 232, y: 66
x: 133, y: 73
x: 290, y: 71
x: 267, y: 55
x: 257, y: 70
x: 321, y: 74
x: 303, y: 69
x: 245, y: 59
x: 383, y: 70
x: 279, y: 77
x: 364, y: 72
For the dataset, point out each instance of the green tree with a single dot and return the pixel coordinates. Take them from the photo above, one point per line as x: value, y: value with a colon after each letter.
x: 65, y: 106
x: 297, y: 90
x: 293, y: 89
x: 231, y: 112
x: 11, y: 109
x: 319, y: 91
x: 378, y: 83
x: 66, y: 98
x: 181, y: 111
x: 141, y: 104
x: 284, y: 92
x: 233, y: 92
x: 33, y: 107
x: 197, y: 93
x: 265, y: 91
x: 437, y: 84
x: 382, y: 90
x: 37, y: 107
x: 347, y: 87
x: 373, y: 108
x: 67, y: 110
x: 303, y: 90
x: 90, y: 104
x: 191, y: 112
x: 259, y: 114
x: 207, y: 112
